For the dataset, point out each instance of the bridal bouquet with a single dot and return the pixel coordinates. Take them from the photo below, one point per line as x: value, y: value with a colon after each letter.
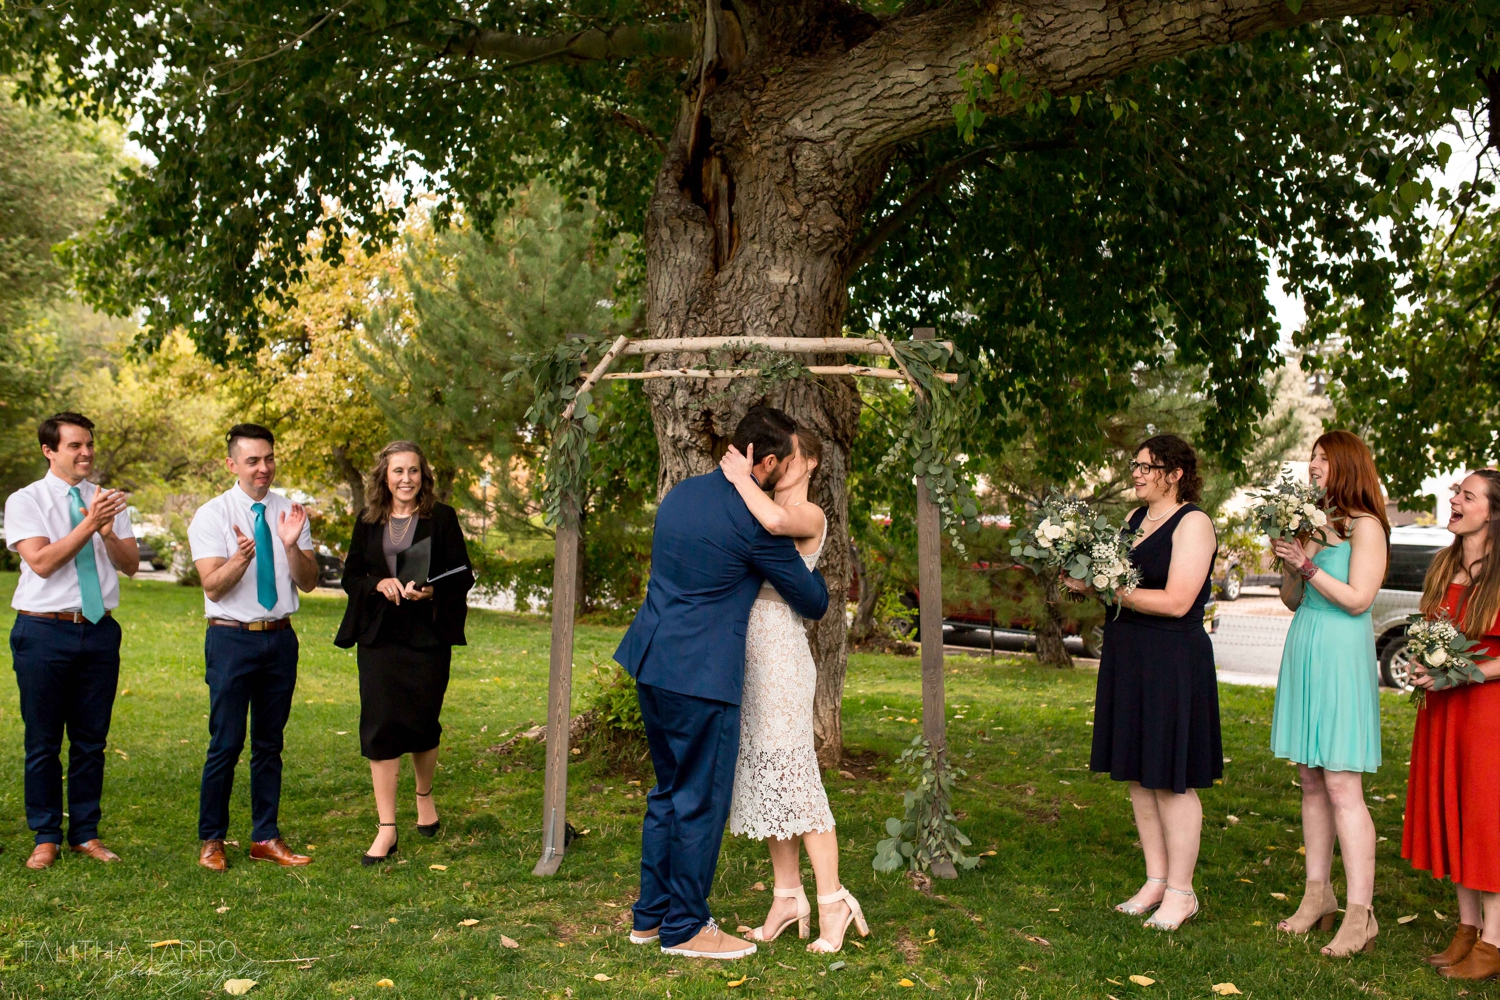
x: 1066, y: 536
x: 1061, y: 528
x: 1288, y: 509
x: 1443, y: 652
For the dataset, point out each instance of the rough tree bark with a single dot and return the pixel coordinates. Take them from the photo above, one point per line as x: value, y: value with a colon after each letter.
x: 1049, y: 637
x: 352, y: 477
x: 782, y: 139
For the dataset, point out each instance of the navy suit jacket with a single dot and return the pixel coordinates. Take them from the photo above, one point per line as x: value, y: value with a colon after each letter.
x: 708, y: 558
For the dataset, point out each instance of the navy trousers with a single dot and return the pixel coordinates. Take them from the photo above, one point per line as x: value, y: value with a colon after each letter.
x: 254, y: 673
x: 694, y: 745
x: 67, y: 675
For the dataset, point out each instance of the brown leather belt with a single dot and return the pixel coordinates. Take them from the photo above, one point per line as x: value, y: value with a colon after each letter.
x: 272, y: 626
x: 76, y: 617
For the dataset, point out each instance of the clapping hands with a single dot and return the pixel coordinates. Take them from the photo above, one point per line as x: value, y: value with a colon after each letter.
x: 289, y: 525
x: 102, y: 512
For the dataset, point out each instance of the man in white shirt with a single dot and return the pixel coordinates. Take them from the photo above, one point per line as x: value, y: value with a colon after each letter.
x: 253, y: 550
x: 73, y: 538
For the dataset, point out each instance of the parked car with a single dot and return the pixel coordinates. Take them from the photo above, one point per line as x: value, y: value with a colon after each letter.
x: 151, y: 555
x: 330, y: 567
x: 1412, y: 551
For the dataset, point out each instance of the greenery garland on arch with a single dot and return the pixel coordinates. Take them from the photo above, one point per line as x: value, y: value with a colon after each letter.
x: 928, y: 446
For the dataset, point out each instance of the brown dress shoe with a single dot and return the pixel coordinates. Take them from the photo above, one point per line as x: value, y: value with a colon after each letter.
x: 42, y: 856
x: 95, y: 849
x: 277, y: 851
x: 211, y: 856
x: 1458, y: 949
x: 1482, y: 962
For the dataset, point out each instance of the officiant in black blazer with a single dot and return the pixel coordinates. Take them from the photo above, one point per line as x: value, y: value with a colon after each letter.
x: 407, y: 575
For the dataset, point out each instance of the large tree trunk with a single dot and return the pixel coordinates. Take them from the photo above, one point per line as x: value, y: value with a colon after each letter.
x: 750, y: 233
x: 781, y: 142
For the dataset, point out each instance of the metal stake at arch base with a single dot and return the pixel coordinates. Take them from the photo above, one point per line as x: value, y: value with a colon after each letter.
x: 565, y: 575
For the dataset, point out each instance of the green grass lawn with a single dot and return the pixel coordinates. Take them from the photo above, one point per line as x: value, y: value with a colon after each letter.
x: 1034, y: 921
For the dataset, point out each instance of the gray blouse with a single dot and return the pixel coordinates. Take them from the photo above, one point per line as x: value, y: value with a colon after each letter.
x: 406, y: 531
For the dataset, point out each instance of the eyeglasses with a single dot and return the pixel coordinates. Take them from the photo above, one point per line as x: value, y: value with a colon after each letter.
x: 1144, y: 467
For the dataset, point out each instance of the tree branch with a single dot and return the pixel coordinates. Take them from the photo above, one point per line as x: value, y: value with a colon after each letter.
x: 674, y: 40
x: 903, y: 82
x: 935, y: 184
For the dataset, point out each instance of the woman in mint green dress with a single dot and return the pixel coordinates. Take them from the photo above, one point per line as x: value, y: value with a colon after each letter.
x: 1327, y: 716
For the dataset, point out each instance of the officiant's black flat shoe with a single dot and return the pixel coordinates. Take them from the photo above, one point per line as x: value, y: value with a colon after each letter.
x: 371, y: 860
x: 428, y: 829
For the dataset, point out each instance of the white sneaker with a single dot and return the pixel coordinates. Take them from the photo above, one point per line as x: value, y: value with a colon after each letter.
x: 711, y: 942
x: 645, y: 937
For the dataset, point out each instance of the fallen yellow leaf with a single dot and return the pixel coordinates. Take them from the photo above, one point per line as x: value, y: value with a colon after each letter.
x: 907, y: 983
x: 600, y: 977
x: 386, y: 983
x: 393, y: 920
x: 759, y: 887
x: 509, y: 942
x: 737, y: 982
x: 437, y: 868
x: 1143, y: 980
x: 164, y: 944
x: 1257, y: 923
x: 468, y: 922
x: 1279, y: 895
x: 1226, y: 989
x: 1115, y: 981
x: 1302, y: 850
x: 1406, y: 919
x: 238, y: 987
x: 1251, y: 881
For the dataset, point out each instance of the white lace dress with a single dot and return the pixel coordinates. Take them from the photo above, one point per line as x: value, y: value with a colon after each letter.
x: 778, y: 787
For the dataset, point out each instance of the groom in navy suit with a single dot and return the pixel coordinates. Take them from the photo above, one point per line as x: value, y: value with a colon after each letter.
x: 686, y: 651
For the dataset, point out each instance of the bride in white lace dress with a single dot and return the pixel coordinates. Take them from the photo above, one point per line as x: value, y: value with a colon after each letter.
x: 778, y: 788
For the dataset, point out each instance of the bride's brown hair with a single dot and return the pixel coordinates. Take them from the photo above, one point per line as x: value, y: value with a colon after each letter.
x: 812, y: 449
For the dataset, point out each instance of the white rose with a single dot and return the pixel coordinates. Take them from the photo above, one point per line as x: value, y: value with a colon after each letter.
x: 1437, y: 657
x: 1044, y: 543
x: 1101, y: 581
x: 1054, y: 531
x: 1319, y: 518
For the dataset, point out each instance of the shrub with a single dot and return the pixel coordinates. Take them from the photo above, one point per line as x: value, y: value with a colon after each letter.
x: 612, y: 695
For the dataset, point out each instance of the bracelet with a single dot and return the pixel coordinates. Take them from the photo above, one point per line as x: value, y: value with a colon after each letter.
x: 1308, y: 569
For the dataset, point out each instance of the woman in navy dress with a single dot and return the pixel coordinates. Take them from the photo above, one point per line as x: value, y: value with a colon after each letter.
x: 1156, y: 718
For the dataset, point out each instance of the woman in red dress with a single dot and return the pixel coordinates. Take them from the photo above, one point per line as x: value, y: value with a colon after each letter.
x: 1453, y: 793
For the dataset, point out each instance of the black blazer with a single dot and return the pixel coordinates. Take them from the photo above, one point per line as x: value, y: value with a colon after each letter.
x: 439, y: 621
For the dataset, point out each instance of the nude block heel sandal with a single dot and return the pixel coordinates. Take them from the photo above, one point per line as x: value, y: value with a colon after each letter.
x: 803, y: 919
x: 856, y: 917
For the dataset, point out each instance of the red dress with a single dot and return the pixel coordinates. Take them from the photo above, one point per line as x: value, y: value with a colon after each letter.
x: 1452, y: 824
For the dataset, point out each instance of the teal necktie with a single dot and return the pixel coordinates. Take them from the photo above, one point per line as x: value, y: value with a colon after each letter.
x: 88, y: 569
x: 265, y: 560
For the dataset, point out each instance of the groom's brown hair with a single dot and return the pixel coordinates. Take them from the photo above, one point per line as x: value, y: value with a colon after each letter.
x: 768, y: 429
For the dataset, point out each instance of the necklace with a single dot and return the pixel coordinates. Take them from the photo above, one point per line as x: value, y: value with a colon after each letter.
x: 399, y: 536
x: 1161, y: 515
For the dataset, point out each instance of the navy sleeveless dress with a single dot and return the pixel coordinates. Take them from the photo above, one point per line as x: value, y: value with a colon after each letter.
x: 1156, y: 708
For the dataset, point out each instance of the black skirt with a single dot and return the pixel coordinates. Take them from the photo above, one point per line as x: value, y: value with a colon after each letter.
x: 1156, y: 710
x: 401, y: 692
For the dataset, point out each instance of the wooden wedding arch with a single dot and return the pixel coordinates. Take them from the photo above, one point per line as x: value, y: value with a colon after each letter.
x: 565, y: 564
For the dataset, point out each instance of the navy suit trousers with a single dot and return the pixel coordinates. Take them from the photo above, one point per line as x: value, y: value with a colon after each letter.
x: 254, y: 673
x: 67, y: 675
x: 694, y: 745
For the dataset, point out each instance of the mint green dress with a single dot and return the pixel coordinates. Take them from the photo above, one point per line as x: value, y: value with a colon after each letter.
x: 1328, y: 696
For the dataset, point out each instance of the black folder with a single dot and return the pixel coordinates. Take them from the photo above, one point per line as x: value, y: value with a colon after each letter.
x: 413, y: 565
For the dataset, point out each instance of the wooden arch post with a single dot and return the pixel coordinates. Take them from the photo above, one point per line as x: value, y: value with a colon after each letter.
x: 566, y: 556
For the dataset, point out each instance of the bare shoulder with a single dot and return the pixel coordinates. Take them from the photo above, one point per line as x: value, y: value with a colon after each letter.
x: 1366, y: 529
x: 1196, y: 526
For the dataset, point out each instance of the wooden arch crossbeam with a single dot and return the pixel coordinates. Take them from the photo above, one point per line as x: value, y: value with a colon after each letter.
x: 565, y: 562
